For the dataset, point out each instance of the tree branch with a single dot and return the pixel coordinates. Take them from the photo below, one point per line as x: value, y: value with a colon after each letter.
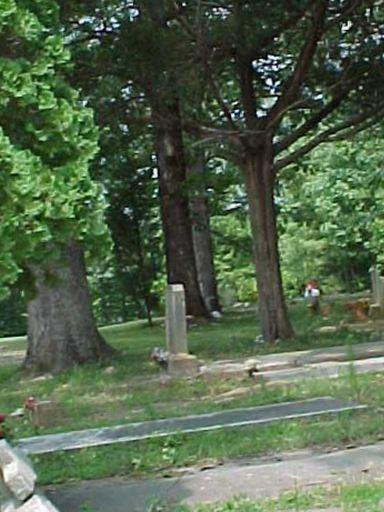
x: 311, y: 123
x: 303, y: 63
x: 325, y: 136
x: 245, y: 71
x: 348, y: 9
x: 255, y: 52
x: 216, y: 93
x: 356, y: 129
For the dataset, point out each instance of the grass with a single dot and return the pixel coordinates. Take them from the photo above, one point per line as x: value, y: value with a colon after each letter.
x: 126, y: 390
x: 350, y: 498
x: 164, y: 456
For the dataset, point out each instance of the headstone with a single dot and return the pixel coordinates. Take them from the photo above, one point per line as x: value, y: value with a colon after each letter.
x: 380, y: 292
x: 17, y: 483
x: 176, y: 324
x: 37, y: 504
x: 374, y: 281
x: 8, y: 506
x: 7, y: 503
x: 376, y: 309
x: 180, y: 363
x: 18, y: 475
x: 45, y: 413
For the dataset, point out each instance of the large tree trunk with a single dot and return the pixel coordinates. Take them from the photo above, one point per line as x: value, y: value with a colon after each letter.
x: 202, y: 237
x: 260, y: 181
x: 180, y: 260
x: 61, y: 327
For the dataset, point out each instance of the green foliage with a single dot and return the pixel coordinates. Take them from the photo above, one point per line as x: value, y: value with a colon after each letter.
x: 12, y: 314
x: 331, y: 214
x: 47, y: 138
x: 233, y: 259
x: 125, y: 164
x: 302, y: 257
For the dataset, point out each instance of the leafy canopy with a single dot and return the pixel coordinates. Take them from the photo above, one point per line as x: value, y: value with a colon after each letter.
x: 47, y: 138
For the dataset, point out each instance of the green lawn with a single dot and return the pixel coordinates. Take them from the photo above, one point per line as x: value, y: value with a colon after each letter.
x: 356, y: 498
x: 126, y: 390
x: 163, y: 456
x: 122, y: 390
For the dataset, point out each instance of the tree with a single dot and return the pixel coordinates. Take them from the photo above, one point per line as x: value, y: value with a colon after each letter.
x: 201, y: 230
x: 285, y: 77
x: 49, y: 205
x: 126, y: 168
x: 280, y: 78
x: 61, y: 326
x: 162, y: 95
x: 130, y: 41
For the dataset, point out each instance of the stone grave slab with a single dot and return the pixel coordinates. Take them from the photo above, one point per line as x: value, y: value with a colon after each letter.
x: 17, y: 474
x: 199, y: 423
x: 37, y: 504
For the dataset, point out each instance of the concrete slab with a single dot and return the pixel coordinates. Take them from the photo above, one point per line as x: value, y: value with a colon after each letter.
x: 322, y: 370
x: 286, y: 360
x: 254, y: 480
x: 16, y: 472
x: 37, y: 504
x: 198, y: 423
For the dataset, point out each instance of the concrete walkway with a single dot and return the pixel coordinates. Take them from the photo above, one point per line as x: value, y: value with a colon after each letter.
x: 254, y: 479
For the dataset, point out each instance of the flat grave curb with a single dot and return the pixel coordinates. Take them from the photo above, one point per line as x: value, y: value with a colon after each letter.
x: 261, y: 415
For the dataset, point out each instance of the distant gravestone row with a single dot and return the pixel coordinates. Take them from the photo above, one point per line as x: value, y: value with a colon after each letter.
x: 17, y: 483
x: 377, y: 308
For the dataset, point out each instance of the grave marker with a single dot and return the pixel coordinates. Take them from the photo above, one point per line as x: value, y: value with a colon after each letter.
x: 18, y: 475
x: 374, y: 278
x: 37, y: 504
x: 180, y: 363
x: 377, y: 308
x: 257, y: 416
x: 45, y: 413
x: 176, y: 324
x: 17, y: 483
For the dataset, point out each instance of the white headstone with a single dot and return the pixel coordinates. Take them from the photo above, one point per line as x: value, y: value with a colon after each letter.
x: 8, y: 506
x: 18, y: 475
x: 180, y: 363
x: 37, y: 504
x: 176, y: 323
x: 7, y: 502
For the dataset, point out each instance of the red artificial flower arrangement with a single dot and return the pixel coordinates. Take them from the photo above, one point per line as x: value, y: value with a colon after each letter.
x: 4, y: 430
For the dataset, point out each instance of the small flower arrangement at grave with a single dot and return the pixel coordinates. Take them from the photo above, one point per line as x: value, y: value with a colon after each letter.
x: 160, y: 356
x: 5, y: 430
x: 30, y: 406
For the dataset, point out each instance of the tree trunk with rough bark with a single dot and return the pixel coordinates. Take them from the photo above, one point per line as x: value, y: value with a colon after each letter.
x: 180, y: 260
x: 202, y: 236
x: 260, y: 180
x: 61, y: 328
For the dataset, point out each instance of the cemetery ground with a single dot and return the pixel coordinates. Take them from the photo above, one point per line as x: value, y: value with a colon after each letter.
x: 128, y: 389
x: 357, y: 498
